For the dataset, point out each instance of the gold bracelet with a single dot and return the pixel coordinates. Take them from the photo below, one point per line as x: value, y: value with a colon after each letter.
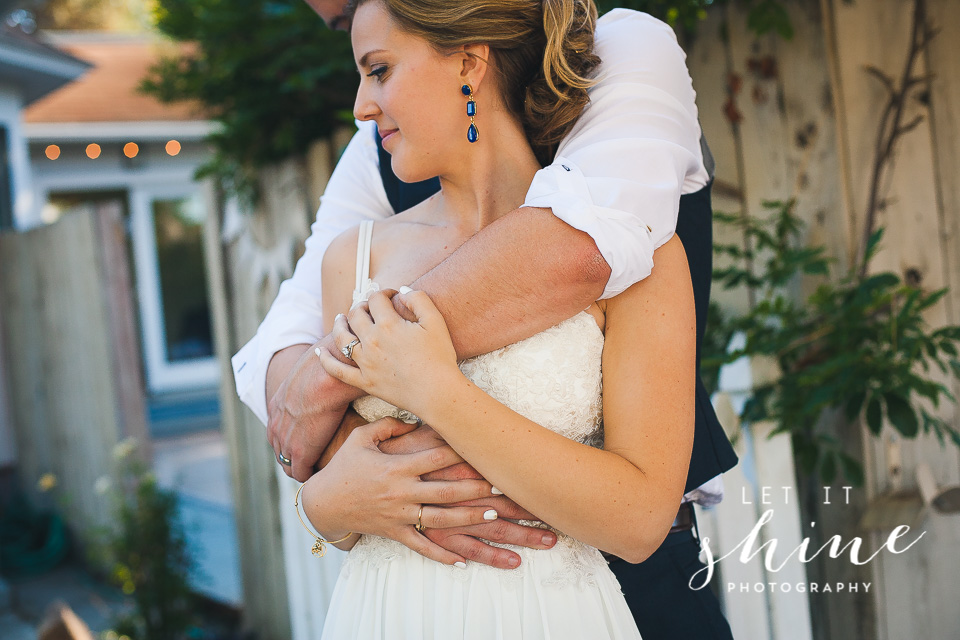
x: 318, y: 547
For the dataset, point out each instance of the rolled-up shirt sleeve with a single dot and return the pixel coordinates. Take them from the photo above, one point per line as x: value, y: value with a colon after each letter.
x: 354, y: 193
x: 619, y: 174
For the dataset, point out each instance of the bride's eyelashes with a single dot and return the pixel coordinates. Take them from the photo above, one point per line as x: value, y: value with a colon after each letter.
x: 378, y: 72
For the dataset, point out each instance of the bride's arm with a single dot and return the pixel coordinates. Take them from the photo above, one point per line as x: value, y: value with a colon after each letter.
x: 370, y: 483
x: 621, y: 499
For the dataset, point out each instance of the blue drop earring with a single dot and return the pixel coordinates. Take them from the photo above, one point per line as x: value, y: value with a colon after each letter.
x: 473, y: 134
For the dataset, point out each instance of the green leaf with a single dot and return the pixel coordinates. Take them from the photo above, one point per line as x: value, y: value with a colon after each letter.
x: 855, y: 404
x: 828, y: 468
x: 875, y: 415
x: 816, y: 268
x: 873, y: 243
x: 806, y: 452
x: 955, y: 365
x: 852, y: 469
x: 881, y: 281
x: 902, y: 415
x: 932, y: 299
x: 954, y: 435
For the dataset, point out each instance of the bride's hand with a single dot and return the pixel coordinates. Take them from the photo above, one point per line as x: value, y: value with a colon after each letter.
x: 405, y: 363
x: 364, y: 490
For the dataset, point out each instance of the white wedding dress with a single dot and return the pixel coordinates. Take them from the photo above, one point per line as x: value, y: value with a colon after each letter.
x: 386, y: 591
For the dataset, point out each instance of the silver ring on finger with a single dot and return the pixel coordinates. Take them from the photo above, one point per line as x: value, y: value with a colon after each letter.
x: 347, y: 351
x: 282, y: 459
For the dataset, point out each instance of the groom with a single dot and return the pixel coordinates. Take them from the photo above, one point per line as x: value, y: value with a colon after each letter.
x: 525, y: 273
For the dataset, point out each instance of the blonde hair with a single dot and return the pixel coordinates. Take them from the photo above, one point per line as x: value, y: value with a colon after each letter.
x: 541, y: 49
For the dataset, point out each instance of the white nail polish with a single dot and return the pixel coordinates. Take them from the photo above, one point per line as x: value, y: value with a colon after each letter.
x: 496, y: 491
x: 339, y: 315
x: 489, y: 514
x: 460, y: 565
x: 317, y: 351
x: 405, y: 290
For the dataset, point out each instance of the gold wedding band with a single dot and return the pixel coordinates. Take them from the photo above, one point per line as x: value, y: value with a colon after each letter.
x: 419, y: 526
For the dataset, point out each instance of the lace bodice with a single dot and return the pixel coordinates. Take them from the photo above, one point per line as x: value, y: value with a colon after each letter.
x: 552, y: 378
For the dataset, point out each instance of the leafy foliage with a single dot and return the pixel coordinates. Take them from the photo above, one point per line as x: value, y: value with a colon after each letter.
x: 268, y: 70
x: 856, y: 344
x: 146, y: 554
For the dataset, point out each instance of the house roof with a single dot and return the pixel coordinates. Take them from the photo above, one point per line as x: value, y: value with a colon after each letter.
x: 33, y: 67
x: 108, y: 92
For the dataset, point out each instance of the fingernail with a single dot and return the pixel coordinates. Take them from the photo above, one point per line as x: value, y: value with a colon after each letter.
x: 405, y: 289
x: 513, y: 562
x: 317, y: 351
x: 460, y: 565
x: 489, y: 514
x: 547, y: 539
x: 339, y: 315
x: 496, y: 491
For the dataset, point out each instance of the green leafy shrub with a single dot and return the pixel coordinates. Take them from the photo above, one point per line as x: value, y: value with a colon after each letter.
x: 146, y: 553
x: 856, y: 344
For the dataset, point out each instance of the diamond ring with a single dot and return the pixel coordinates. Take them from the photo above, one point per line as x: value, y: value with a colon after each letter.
x: 347, y: 351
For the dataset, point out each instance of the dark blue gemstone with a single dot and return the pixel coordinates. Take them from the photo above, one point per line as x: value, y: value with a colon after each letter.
x: 466, y: 90
x: 472, y: 133
x: 471, y: 108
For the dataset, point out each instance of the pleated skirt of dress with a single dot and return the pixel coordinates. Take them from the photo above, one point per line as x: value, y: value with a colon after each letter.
x: 388, y: 592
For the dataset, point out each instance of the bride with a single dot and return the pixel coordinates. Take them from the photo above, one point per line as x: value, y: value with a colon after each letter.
x: 478, y: 92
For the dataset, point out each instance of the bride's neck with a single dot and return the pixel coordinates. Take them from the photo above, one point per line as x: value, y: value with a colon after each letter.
x: 493, y: 178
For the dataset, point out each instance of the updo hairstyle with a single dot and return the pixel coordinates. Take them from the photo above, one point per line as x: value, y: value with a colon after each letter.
x: 542, y: 51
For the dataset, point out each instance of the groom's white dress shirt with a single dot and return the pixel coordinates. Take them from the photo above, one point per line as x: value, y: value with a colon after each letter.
x: 618, y: 176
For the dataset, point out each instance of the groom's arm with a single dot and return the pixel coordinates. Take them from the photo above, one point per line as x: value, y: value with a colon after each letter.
x: 522, y: 274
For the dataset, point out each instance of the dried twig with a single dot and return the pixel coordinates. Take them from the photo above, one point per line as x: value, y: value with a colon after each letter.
x: 891, y: 126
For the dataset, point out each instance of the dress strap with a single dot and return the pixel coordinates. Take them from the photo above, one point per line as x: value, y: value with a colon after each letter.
x: 363, y: 255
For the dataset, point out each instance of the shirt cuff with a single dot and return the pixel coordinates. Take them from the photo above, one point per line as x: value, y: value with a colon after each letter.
x: 624, y: 241
x: 250, y: 368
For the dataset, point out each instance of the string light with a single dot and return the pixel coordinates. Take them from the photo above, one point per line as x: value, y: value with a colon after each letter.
x: 52, y: 152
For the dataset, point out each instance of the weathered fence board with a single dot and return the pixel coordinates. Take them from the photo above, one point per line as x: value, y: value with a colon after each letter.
x: 878, y: 34
x: 944, y: 63
x: 74, y: 379
x: 805, y: 122
x: 708, y: 61
x: 250, y: 253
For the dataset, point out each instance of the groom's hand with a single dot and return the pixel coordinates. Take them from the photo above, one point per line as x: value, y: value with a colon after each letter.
x: 470, y: 542
x: 306, y: 407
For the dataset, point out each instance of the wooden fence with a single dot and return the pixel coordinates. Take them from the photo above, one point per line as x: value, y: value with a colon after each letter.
x: 248, y: 254
x: 799, y: 118
x: 71, y: 357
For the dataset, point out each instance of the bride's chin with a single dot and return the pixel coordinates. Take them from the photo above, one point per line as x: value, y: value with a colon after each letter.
x: 409, y: 172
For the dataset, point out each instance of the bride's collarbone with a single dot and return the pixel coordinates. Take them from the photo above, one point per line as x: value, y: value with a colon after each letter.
x: 403, y: 251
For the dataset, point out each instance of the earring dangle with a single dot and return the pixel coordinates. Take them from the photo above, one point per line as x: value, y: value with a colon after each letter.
x: 473, y: 134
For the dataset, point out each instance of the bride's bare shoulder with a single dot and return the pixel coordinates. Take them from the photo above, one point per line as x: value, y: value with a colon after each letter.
x: 341, y: 254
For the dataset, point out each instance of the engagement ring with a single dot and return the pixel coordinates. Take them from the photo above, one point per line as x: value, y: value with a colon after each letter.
x: 347, y: 351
